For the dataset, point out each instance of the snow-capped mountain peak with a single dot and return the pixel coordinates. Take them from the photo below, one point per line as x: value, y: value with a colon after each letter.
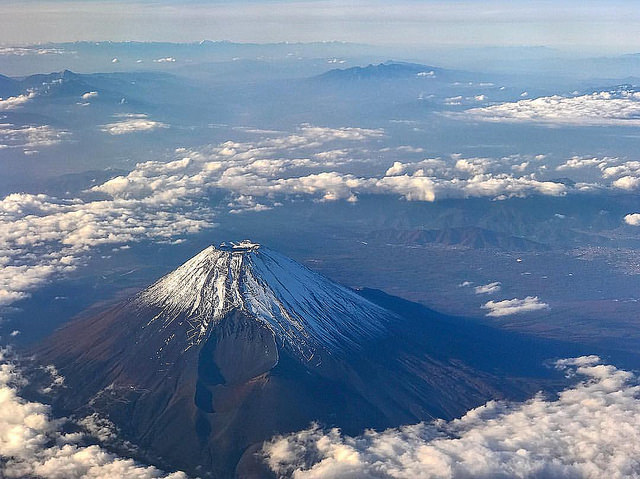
x: 302, y: 308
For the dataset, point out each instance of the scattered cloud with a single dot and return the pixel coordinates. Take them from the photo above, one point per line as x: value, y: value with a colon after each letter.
x: 632, y: 219
x: 617, y: 107
x: 33, y: 444
x: 131, y: 124
x: 577, y: 162
x: 31, y: 50
x: 15, y: 101
x: 44, y: 237
x: 589, y: 431
x: 30, y: 136
x: 508, y: 307
x: 57, y: 380
x: 627, y: 183
x: 292, y: 165
x: 165, y: 60
x: 488, y: 288
x: 614, y: 172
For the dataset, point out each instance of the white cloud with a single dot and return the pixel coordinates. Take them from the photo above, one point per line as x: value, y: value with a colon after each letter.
x: 488, y: 288
x: 577, y: 162
x: 32, y: 50
x: 598, y: 108
x: 57, y: 380
x: 32, y: 443
x: 612, y: 167
x: 43, y: 237
x: 131, y: 124
x: 165, y: 60
x: 514, y: 306
x: 398, y: 168
x: 627, y: 182
x: 90, y: 94
x: 616, y: 172
x: 632, y: 219
x: 273, y: 166
x: 30, y: 136
x: 589, y: 431
x: 15, y: 101
x: 475, y: 166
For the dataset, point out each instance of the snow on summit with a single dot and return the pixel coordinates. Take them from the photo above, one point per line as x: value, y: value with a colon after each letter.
x: 303, y: 309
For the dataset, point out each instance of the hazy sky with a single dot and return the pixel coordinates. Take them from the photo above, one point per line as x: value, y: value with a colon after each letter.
x: 603, y: 25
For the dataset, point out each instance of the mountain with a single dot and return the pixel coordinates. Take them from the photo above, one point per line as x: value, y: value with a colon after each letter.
x: 138, y: 88
x: 241, y: 343
x: 384, y: 71
x: 467, y: 237
x: 8, y: 87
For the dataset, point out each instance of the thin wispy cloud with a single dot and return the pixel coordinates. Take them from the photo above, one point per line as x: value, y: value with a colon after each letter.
x: 30, y: 137
x: 489, y: 288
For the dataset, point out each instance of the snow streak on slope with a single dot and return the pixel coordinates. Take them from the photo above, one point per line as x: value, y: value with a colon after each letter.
x: 304, y: 310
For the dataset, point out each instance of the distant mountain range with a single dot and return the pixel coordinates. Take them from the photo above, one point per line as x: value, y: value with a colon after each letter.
x: 388, y: 70
x: 468, y: 237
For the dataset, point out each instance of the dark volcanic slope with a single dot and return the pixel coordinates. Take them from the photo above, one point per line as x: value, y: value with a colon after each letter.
x: 241, y: 343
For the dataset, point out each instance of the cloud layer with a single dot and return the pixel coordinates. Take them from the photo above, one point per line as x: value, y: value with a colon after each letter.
x: 32, y: 443
x: 42, y: 237
x: 590, y: 431
x: 306, y: 164
x: 618, y: 107
x: 616, y: 173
